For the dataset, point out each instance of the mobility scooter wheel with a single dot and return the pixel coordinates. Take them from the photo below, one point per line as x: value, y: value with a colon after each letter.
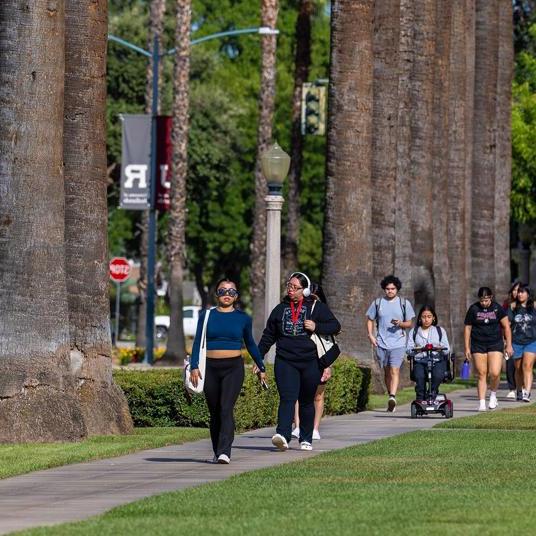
x: 449, y: 410
x: 413, y: 410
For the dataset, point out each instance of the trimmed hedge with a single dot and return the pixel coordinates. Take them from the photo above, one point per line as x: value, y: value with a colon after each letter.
x: 158, y: 397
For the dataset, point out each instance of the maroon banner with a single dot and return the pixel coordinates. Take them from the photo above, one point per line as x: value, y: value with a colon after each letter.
x: 163, y: 159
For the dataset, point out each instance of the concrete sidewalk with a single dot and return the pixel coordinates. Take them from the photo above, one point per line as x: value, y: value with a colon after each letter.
x: 75, y: 492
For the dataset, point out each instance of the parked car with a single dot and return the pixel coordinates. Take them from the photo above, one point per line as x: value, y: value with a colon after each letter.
x: 190, y: 315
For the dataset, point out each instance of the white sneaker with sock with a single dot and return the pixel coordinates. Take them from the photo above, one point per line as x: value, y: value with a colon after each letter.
x: 316, y: 434
x: 296, y: 432
x: 493, y: 400
x: 482, y: 406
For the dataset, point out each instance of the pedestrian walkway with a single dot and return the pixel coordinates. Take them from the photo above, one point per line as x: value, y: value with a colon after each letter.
x: 75, y: 492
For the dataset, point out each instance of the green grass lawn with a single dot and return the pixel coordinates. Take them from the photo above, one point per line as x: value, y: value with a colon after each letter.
x: 406, y: 395
x: 465, y: 481
x: 26, y: 457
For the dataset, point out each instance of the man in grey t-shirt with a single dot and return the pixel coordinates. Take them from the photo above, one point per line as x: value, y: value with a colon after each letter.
x: 392, y: 315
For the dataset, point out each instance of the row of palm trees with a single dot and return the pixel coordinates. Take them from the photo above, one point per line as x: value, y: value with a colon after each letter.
x: 419, y: 155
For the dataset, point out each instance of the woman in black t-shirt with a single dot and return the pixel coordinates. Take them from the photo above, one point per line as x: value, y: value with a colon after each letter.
x: 484, y: 343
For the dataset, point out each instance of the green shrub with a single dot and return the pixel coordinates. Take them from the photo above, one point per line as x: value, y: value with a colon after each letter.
x: 158, y: 397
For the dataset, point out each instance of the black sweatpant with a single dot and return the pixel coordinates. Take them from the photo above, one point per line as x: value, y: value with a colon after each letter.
x: 420, y: 371
x: 223, y: 381
x: 511, y: 374
x: 296, y: 380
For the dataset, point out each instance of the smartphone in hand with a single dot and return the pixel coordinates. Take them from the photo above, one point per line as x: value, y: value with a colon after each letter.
x: 264, y: 385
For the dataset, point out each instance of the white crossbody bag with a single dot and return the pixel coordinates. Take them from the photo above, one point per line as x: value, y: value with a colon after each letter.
x: 202, y: 363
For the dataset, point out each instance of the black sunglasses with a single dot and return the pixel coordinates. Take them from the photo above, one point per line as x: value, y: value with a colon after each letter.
x: 227, y: 292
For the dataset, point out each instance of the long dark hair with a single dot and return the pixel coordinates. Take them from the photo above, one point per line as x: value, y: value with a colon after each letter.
x: 517, y: 284
x: 316, y: 290
x: 425, y: 308
x: 530, y: 301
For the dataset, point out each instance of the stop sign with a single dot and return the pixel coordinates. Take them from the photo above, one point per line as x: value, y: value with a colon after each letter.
x: 119, y: 269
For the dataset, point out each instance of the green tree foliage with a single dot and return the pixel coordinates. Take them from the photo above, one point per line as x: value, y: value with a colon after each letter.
x: 224, y: 94
x: 523, y: 195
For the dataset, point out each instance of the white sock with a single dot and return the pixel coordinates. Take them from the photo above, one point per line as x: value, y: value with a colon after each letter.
x: 493, y: 393
x: 483, y: 402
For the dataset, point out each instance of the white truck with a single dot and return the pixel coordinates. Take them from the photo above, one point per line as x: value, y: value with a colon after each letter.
x: 190, y: 315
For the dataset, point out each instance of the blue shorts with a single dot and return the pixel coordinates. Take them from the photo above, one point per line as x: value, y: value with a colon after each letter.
x: 390, y: 358
x: 520, y: 349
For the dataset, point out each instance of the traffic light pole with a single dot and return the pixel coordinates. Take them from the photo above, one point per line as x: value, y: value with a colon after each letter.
x: 151, y: 248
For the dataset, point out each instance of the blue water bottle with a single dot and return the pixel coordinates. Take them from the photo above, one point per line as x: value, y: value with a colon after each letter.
x: 466, y: 370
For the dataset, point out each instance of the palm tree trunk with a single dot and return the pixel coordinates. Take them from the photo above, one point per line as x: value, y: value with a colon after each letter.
x: 301, y: 72
x: 440, y: 169
x: 384, y: 135
x: 269, y: 9
x: 104, y: 405
x: 484, y: 144
x: 470, y: 47
x: 37, y: 385
x: 404, y: 180
x: 156, y: 28
x: 457, y: 162
x: 422, y: 92
x: 175, y: 351
x: 503, y: 166
x: 347, y: 268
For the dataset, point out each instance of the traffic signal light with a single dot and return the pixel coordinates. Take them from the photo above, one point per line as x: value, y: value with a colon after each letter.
x: 313, y: 116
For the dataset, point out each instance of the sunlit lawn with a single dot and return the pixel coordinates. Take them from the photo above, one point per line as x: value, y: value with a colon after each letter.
x: 26, y: 457
x: 439, y: 481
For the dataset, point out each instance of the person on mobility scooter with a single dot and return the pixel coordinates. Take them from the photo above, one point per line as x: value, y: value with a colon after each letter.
x: 428, y: 353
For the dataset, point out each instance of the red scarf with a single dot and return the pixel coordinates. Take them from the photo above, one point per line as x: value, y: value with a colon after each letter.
x: 295, y: 313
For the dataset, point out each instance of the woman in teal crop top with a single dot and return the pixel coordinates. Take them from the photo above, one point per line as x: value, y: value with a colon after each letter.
x: 227, y: 328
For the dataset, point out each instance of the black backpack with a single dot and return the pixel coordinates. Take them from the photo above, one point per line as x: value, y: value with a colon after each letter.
x: 377, y: 303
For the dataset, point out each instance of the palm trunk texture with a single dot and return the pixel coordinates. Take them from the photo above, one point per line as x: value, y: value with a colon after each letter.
x: 269, y: 10
x: 38, y: 391
x: 175, y: 352
x: 104, y: 405
x: 418, y: 158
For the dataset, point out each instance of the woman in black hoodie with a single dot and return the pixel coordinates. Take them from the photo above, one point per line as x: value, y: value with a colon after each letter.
x: 297, y: 368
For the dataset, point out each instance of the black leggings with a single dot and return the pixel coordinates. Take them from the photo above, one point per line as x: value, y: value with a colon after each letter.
x: 420, y: 371
x: 223, y: 382
x: 296, y: 380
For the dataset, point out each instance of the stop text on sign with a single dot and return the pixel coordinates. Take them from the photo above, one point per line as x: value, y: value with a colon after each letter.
x: 119, y: 269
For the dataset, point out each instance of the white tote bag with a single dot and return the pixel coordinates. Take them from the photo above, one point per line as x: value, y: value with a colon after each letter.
x: 323, y: 342
x: 202, y: 363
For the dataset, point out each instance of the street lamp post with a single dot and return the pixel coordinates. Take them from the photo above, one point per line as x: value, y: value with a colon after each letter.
x: 151, y: 247
x: 275, y: 164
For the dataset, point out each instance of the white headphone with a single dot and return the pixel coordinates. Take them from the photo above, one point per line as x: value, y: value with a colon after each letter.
x: 307, y: 289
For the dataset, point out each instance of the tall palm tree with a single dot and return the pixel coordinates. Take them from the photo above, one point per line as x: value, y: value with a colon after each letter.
x: 38, y: 389
x: 347, y: 266
x: 269, y: 10
x: 503, y: 166
x: 157, y: 11
x: 104, y: 405
x: 422, y: 92
x: 175, y: 351
x: 440, y: 160
x: 385, y: 228
x: 301, y: 72
x: 458, y: 137
x: 404, y: 177
x: 484, y: 143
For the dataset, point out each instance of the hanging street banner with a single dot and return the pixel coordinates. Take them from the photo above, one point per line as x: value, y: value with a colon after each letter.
x: 136, y: 162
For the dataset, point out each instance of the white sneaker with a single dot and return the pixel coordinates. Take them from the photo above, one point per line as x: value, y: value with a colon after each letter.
x: 493, y: 401
x: 526, y: 396
x: 391, y: 404
x: 296, y: 432
x: 511, y: 394
x: 482, y: 406
x: 223, y: 458
x: 279, y: 442
x: 305, y: 445
x: 316, y: 435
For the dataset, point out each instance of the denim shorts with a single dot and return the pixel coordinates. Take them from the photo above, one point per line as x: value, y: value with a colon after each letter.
x: 390, y: 358
x: 520, y: 349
